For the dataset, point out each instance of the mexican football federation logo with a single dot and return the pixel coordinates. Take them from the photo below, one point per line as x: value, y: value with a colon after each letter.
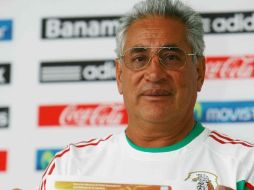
x: 204, y: 180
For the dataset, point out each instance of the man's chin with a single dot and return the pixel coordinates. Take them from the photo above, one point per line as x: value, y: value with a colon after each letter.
x: 155, y: 117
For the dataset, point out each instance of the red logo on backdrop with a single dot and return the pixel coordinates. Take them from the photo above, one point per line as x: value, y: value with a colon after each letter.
x: 3, y: 160
x: 82, y: 115
x: 230, y: 67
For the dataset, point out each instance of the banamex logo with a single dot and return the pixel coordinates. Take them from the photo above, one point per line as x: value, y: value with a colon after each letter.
x: 79, y: 27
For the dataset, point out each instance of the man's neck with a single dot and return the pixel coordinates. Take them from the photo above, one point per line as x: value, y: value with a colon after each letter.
x: 158, y: 135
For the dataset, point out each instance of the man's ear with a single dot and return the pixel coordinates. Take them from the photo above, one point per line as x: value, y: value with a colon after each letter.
x: 200, y: 72
x: 119, y: 75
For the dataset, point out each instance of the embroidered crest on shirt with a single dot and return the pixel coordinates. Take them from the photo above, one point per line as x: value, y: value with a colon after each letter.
x: 204, y: 180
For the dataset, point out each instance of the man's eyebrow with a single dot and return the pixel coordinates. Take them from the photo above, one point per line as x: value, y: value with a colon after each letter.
x: 139, y: 45
x: 170, y: 45
x: 137, y: 49
x: 165, y: 45
x: 141, y: 48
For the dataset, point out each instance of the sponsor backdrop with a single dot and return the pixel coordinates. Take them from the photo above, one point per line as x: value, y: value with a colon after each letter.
x: 57, y: 77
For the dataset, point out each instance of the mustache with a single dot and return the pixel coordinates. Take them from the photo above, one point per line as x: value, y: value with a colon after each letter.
x: 156, y: 91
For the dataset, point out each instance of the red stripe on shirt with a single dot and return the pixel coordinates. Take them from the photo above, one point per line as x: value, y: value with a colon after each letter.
x: 62, y: 153
x: 84, y: 142
x: 81, y: 146
x: 44, y: 184
x: 51, y: 168
x: 229, y: 139
x: 46, y: 170
x: 93, y: 144
x: 249, y: 186
x: 229, y: 142
x: 234, y: 140
x: 222, y: 136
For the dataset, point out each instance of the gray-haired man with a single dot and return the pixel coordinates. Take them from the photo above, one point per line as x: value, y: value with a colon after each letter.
x: 159, y: 70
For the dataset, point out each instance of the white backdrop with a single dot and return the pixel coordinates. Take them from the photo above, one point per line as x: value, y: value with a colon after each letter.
x: 29, y: 144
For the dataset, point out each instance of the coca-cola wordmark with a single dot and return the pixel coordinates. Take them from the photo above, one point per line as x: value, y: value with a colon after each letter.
x: 226, y: 67
x: 82, y: 115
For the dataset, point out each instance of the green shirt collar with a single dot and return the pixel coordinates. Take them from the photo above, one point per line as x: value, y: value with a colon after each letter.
x: 196, y: 130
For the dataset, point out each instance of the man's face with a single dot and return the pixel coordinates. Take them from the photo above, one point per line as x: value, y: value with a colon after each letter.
x: 156, y: 94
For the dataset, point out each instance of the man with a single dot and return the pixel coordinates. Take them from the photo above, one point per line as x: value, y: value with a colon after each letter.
x: 159, y: 70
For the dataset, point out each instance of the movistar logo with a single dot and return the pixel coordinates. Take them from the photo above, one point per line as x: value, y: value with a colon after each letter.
x: 44, y: 157
x: 224, y: 112
x: 198, y: 111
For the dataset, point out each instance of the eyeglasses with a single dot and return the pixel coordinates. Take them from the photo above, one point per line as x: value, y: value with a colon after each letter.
x: 171, y: 58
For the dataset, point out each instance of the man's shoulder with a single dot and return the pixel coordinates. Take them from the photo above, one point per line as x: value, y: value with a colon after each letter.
x: 76, y: 155
x: 226, y: 145
x: 90, y: 146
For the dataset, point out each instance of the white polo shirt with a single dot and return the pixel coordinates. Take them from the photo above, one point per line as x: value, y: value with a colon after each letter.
x: 205, y: 158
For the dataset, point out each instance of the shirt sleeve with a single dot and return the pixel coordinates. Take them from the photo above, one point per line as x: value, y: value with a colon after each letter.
x: 56, y: 167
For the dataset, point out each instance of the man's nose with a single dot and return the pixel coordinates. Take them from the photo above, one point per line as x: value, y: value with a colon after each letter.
x: 155, y: 71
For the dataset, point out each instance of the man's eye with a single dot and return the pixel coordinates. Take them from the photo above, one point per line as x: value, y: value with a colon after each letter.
x: 139, y: 59
x: 172, y: 57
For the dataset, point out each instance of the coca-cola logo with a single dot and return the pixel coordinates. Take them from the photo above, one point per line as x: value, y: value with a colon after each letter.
x: 237, y: 67
x: 83, y: 115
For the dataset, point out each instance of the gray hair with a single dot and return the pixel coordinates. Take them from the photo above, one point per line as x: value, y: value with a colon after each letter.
x: 164, y: 8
